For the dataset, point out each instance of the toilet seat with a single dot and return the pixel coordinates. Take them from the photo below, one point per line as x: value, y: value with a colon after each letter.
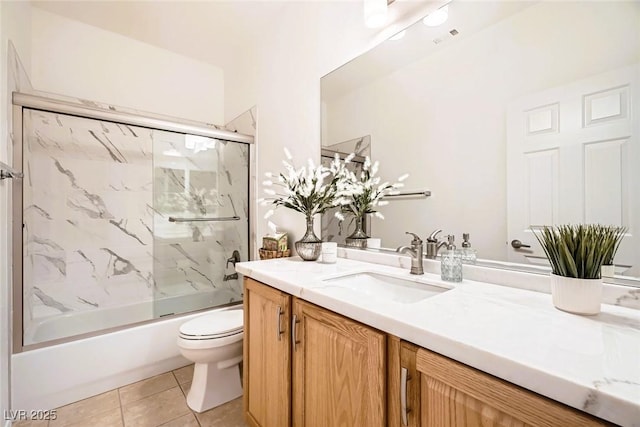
x: 221, y: 324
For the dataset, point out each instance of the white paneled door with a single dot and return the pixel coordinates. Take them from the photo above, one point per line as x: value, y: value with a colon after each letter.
x: 573, y: 156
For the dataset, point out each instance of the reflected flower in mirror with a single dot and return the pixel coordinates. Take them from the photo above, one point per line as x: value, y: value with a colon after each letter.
x: 361, y: 193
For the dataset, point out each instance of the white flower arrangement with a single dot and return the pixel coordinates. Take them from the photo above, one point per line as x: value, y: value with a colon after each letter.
x: 361, y: 193
x: 309, y: 190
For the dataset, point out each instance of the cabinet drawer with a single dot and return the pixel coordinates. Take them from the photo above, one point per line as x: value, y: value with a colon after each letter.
x: 454, y: 394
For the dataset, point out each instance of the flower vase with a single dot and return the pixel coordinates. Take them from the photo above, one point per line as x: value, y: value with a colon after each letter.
x: 309, y: 247
x: 358, y: 238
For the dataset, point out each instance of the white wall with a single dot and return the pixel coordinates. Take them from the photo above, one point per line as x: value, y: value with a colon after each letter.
x: 443, y: 119
x: 15, y: 26
x: 75, y: 59
x: 309, y: 40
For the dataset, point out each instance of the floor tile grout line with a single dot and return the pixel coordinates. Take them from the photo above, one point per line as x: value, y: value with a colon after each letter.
x: 179, y: 385
x: 185, y: 397
x: 197, y: 420
x: 149, y: 395
x: 173, y: 419
x: 121, y: 405
x: 121, y: 410
x: 176, y: 377
x: 101, y: 411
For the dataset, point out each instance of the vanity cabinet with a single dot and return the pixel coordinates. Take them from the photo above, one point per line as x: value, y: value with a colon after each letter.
x: 267, y: 357
x: 307, y: 366
x: 454, y: 394
x: 403, y: 403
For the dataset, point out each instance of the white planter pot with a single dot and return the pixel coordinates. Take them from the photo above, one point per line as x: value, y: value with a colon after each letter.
x: 579, y: 296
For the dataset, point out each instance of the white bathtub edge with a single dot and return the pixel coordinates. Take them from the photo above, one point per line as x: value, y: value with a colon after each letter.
x: 55, y: 376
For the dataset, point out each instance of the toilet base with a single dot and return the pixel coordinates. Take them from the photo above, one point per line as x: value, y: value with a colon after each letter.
x: 212, y: 386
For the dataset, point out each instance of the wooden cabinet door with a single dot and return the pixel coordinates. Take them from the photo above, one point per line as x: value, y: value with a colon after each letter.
x: 339, y: 370
x: 454, y: 394
x: 267, y: 363
x: 403, y: 401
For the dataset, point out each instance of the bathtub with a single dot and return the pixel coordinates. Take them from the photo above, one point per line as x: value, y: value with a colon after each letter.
x: 81, y: 322
x: 53, y: 376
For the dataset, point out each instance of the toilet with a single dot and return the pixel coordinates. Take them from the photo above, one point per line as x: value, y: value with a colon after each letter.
x: 214, y: 343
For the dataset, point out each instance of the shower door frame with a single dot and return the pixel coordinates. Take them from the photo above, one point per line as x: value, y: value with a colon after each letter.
x: 22, y: 101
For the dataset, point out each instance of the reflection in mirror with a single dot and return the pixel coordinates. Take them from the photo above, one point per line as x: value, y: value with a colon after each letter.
x: 512, y: 114
x: 334, y: 230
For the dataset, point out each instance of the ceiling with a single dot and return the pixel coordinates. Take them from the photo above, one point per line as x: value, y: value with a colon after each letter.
x: 214, y: 31
x: 218, y: 32
x: 465, y: 18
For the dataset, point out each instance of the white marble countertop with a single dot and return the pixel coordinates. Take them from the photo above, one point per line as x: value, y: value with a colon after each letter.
x: 591, y: 363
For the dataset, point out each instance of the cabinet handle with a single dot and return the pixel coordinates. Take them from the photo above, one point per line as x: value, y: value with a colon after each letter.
x: 279, y: 314
x: 404, y: 411
x: 294, y: 322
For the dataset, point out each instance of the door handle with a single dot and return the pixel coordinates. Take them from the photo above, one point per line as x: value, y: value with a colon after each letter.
x: 517, y: 244
x: 279, y: 314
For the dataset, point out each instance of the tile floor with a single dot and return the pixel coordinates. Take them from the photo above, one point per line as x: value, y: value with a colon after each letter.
x: 154, y: 402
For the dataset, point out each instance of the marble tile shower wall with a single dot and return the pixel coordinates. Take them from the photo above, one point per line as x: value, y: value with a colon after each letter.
x: 212, y: 183
x: 87, y: 214
x: 90, y: 216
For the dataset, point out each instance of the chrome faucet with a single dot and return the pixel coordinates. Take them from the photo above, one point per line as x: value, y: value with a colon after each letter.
x: 415, y: 250
x: 433, y: 245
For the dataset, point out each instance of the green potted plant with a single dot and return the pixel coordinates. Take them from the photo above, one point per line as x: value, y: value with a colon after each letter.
x: 576, y: 254
x: 608, y: 266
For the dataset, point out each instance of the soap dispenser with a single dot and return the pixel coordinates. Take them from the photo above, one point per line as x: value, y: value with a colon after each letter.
x: 468, y: 254
x: 451, y: 262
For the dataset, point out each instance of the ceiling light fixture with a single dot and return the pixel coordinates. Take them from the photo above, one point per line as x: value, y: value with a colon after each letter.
x: 375, y: 13
x: 436, y: 18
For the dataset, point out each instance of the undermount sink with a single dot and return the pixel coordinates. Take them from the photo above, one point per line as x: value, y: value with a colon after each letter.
x: 381, y: 287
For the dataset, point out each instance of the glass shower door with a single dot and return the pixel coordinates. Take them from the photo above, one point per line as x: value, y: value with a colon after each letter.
x: 200, y: 224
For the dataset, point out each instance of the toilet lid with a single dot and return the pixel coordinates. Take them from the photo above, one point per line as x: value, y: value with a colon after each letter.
x: 218, y: 324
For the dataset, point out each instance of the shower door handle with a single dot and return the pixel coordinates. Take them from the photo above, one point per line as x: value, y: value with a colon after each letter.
x: 279, y: 314
x: 204, y: 219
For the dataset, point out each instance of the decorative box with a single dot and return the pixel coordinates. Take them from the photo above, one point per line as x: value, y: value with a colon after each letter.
x: 267, y: 254
x: 275, y: 242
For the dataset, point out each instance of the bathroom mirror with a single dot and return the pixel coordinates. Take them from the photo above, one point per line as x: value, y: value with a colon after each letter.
x: 511, y: 114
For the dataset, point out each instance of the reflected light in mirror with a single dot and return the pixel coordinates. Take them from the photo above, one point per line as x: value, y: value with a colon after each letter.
x: 436, y: 18
x: 375, y: 13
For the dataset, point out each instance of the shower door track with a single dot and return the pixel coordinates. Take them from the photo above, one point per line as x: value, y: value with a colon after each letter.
x: 52, y: 103
x: 153, y: 121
